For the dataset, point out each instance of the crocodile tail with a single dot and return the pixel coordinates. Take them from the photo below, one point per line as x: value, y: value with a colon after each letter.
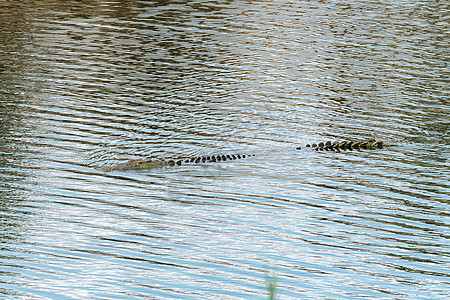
x: 346, y: 145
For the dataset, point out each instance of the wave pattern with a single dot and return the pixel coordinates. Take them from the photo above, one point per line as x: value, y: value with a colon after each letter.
x: 94, y: 84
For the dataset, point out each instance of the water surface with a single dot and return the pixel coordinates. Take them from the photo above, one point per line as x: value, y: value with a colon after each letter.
x: 84, y: 85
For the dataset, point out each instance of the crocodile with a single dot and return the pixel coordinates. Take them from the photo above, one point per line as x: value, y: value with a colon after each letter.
x: 143, y: 164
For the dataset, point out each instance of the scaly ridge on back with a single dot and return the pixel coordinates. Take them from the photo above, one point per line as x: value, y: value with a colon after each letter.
x: 347, y: 145
x: 336, y: 146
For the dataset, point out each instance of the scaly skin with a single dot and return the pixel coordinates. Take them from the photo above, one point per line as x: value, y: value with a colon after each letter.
x: 337, y: 146
x: 137, y: 164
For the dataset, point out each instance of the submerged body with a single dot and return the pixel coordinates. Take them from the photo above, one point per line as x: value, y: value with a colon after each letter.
x: 139, y: 164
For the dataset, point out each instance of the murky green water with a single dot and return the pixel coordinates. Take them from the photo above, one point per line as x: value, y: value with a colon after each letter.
x: 84, y: 84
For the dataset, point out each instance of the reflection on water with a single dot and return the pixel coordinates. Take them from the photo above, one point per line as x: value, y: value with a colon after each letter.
x: 91, y: 84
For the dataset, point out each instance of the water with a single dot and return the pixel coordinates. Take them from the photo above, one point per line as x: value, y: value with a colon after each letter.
x: 88, y: 84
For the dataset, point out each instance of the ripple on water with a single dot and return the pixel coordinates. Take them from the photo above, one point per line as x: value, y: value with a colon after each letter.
x: 87, y: 85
